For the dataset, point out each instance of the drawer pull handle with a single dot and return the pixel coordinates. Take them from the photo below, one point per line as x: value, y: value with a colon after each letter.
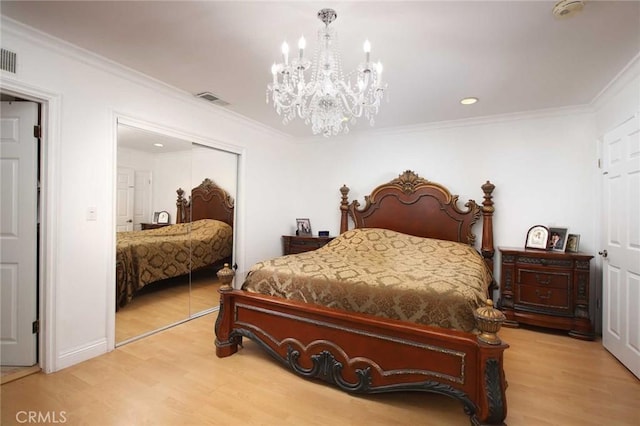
x: 543, y: 279
x: 548, y: 296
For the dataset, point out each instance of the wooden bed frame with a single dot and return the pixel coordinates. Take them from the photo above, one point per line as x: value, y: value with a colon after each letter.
x: 207, y: 201
x: 365, y: 354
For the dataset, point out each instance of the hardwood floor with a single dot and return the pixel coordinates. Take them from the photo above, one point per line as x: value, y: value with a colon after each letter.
x: 167, y: 302
x: 174, y: 378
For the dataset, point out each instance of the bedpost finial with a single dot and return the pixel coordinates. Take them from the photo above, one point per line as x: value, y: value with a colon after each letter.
x: 225, y: 275
x: 344, y: 190
x: 489, y: 320
x: 488, y: 188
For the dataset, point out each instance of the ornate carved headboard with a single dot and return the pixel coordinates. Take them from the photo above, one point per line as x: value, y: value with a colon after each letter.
x: 207, y: 201
x: 416, y: 206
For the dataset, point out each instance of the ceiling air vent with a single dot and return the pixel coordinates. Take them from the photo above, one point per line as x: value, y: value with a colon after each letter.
x: 8, y: 60
x: 208, y: 96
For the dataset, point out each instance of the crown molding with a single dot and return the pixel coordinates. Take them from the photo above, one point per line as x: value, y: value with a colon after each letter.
x: 69, y: 50
x: 465, y: 122
x: 619, y: 82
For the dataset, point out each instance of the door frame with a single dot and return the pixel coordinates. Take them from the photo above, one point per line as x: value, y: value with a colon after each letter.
x: 48, y: 199
x: 238, y: 254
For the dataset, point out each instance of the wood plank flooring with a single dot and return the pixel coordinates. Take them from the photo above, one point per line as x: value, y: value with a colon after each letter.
x: 167, y: 302
x: 174, y: 378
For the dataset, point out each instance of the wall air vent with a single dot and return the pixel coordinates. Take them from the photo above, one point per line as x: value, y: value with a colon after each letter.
x: 8, y: 60
x: 208, y: 96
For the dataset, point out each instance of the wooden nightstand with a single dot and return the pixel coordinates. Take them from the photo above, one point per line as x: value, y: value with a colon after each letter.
x: 547, y: 289
x: 292, y: 244
x: 145, y: 226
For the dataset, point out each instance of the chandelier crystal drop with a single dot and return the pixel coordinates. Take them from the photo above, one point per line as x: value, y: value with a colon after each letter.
x: 325, y: 99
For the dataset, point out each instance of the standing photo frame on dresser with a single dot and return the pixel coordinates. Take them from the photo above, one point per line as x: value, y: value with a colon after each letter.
x: 573, y: 243
x: 303, y: 227
x: 558, y: 239
x: 537, y: 237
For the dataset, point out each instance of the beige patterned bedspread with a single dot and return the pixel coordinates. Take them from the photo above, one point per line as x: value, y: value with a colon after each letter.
x: 143, y: 257
x: 383, y: 273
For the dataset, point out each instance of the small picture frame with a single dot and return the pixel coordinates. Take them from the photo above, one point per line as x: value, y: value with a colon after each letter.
x: 155, y: 217
x: 163, y: 218
x: 557, y: 239
x: 537, y: 237
x: 303, y: 227
x: 573, y: 243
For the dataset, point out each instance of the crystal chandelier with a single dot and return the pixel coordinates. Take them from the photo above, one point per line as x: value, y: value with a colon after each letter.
x: 325, y: 99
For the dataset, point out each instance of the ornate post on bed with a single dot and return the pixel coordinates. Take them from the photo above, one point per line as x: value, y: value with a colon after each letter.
x: 226, y: 343
x: 180, y: 204
x: 344, y: 209
x: 487, y: 224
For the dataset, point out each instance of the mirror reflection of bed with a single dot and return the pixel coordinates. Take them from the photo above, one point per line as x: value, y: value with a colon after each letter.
x: 170, y: 268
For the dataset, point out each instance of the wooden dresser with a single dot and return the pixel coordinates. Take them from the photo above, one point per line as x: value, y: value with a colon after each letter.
x: 292, y: 244
x: 547, y: 289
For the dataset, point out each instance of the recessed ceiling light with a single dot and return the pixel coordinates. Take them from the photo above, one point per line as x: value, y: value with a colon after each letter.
x: 158, y: 144
x: 468, y: 101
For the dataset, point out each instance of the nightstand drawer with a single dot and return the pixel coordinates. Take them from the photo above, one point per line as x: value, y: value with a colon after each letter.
x: 305, y: 245
x: 555, y: 299
x: 552, y: 279
x: 301, y: 244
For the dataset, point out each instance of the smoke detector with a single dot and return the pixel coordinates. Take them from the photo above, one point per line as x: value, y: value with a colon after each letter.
x: 565, y: 8
x: 208, y: 96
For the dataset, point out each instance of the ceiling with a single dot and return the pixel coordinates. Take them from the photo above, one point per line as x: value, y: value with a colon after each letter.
x: 151, y: 142
x: 515, y: 56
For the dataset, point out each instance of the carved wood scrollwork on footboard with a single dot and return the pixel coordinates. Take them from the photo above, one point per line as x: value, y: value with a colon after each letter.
x: 364, y: 354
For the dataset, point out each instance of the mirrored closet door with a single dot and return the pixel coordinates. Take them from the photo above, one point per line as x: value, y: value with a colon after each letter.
x: 174, y: 217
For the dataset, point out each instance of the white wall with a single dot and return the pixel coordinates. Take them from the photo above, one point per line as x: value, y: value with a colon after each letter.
x: 171, y: 170
x: 542, y: 167
x: 89, y: 94
x: 219, y: 166
x: 137, y: 160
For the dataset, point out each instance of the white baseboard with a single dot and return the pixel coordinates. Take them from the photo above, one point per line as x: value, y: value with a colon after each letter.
x: 81, y: 353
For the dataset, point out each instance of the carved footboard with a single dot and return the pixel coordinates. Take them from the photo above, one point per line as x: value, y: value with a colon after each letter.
x: 366, y: 354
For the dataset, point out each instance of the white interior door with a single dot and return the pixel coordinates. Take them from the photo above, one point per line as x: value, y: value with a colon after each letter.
x: 142, y: 198
x: 18, y: 233
x: 621, y: 230
x: 124, y: 199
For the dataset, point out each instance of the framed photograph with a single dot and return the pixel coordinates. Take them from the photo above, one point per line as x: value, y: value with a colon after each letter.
x: 557, y: 239
x: 537, y: 237
x: 303, y: 227
x: 573, y: 243
x: 163, y: 217
x: 155, y: 217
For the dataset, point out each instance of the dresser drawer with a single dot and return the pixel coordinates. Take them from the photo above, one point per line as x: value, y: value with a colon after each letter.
x: 549, y: 298
x: 546, y: 278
